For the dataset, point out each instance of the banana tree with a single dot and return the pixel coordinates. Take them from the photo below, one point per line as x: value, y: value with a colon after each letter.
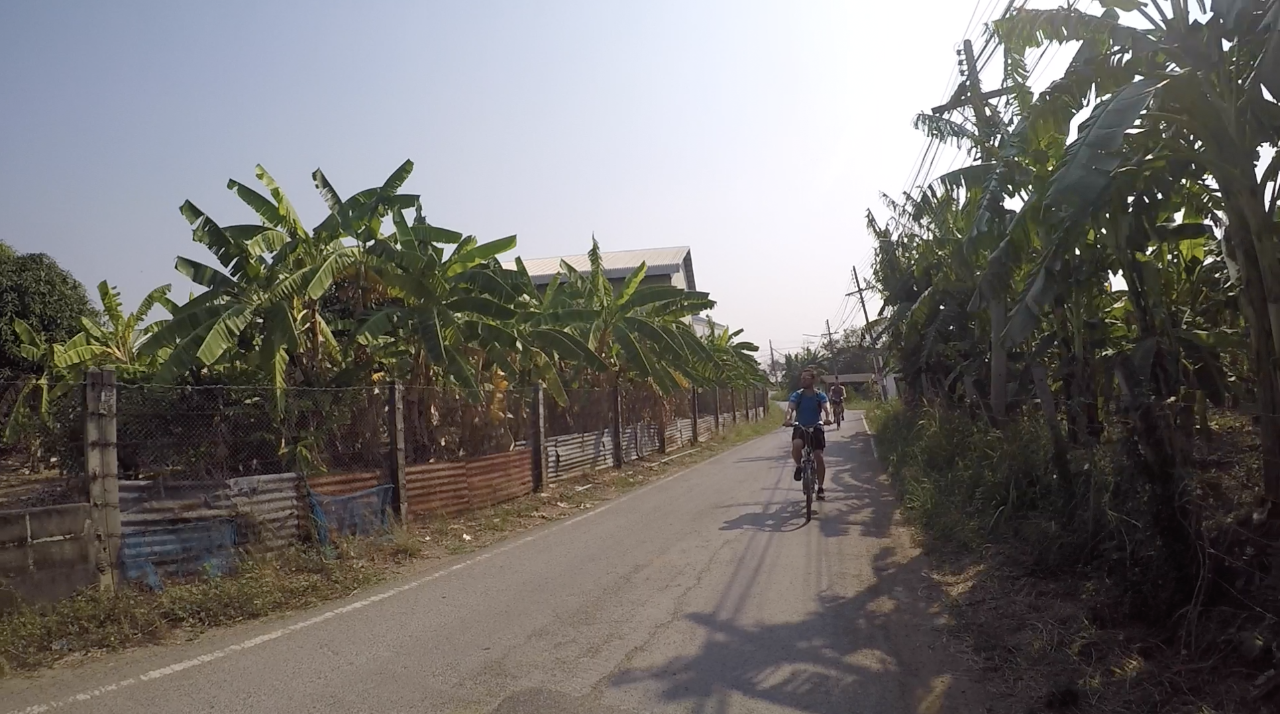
x: 122, y: 337
x: 639, y: 332
x: 263, y: 307
x: 733, y: 363
x: 540, y: 341
x: 60, y: 368
x: 1201, y: 85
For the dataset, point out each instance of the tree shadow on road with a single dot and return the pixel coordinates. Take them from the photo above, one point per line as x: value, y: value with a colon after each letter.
x: 874, y: 652
x: 776, y: 518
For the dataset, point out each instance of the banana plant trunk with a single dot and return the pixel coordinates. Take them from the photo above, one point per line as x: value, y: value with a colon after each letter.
x: 1251, y: 238
x: 999, y: 362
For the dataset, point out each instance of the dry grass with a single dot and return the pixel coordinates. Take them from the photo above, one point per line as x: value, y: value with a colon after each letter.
x: 93, y: 622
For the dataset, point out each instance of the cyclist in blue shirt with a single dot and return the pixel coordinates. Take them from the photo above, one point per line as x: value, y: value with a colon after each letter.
x: 809, y: 408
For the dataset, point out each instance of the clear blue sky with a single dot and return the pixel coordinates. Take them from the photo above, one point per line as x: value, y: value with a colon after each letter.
x: 758, y: 133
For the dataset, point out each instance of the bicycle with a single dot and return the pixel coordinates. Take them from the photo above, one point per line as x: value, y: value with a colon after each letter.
x: 808, y: 469
x: 837, y: 412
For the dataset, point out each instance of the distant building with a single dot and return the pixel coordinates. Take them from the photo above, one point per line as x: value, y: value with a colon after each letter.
x: 662, y: 266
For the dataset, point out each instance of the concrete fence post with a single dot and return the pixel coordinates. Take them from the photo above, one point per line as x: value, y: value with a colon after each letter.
x: 102, y: 470
x: 716, y: 413
x: 395, y: 457
x: 537, y: 437
x: 615, y: 424
x: 693, y: 410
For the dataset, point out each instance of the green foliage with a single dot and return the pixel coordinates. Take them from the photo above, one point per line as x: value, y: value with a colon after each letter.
x: 1063, y: 310
x: 36, y: 290
x: 960, y: 480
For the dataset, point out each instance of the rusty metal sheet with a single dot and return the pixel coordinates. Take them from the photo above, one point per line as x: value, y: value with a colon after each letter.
x: 344, y: 484
x: 500, y: 477
x: 438, y: 488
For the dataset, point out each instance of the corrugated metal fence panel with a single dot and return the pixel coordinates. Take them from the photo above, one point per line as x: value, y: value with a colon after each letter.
x: 640, y: 440
x: 630, y: 445
x: 574, y: 454
x: 175, y: 531
x: 438, y: 488
x: 674, y: 440
x: 275, y: 506
x: 501, y: 477
x: 679, y: 434
x: 647, y: 437
x: 344, y: 484
x: 203, y: 547
x: 706, y: 427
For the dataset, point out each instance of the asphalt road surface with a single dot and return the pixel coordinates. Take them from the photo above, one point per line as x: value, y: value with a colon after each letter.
x: 705, y: 592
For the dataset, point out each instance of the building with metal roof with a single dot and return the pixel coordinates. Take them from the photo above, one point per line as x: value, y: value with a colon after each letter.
x: 663, y: 266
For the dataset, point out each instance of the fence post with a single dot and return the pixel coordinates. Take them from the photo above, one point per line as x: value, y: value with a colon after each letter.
x: 733, y: 404
x: 693, y: 410
x: 615, y: 424
x: 101, y: 468
x: 537, y: 437
x: 395, y: 460
x: 716, y: 414
x: 662, y: 426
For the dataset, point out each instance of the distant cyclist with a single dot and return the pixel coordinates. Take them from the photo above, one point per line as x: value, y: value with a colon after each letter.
x: 837, y: 401
x: 810, y: 409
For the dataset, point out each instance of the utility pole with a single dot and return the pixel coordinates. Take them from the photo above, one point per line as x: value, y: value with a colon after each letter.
x: 970, y: 92
x: 866, y: 316
x: 773, y: 363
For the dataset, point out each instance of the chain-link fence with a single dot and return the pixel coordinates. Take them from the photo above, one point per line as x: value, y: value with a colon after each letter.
x: 445, y: 424
x: 41, y: 444
x: 208, y: 434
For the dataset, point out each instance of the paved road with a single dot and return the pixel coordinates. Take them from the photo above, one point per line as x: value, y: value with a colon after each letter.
x: 706, y: 592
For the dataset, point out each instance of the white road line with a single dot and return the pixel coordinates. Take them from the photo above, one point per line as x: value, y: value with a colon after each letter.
x: 277, y: 634
x: 872, y: 434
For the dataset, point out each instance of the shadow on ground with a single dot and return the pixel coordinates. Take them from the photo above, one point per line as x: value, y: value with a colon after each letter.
x: 875, y: 652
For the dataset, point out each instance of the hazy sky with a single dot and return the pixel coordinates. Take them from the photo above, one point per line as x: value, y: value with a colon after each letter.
x: 758, y: 133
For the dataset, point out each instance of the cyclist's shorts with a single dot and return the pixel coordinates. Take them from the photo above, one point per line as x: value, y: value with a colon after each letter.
x: 819, y: 439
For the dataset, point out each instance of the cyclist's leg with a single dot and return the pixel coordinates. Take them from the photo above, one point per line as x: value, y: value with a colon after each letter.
x: 797, y: 446
x: 819, y: 447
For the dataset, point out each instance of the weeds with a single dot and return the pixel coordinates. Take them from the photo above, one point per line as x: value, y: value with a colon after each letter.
x: 1062, y: 589
x: 97, y: 621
